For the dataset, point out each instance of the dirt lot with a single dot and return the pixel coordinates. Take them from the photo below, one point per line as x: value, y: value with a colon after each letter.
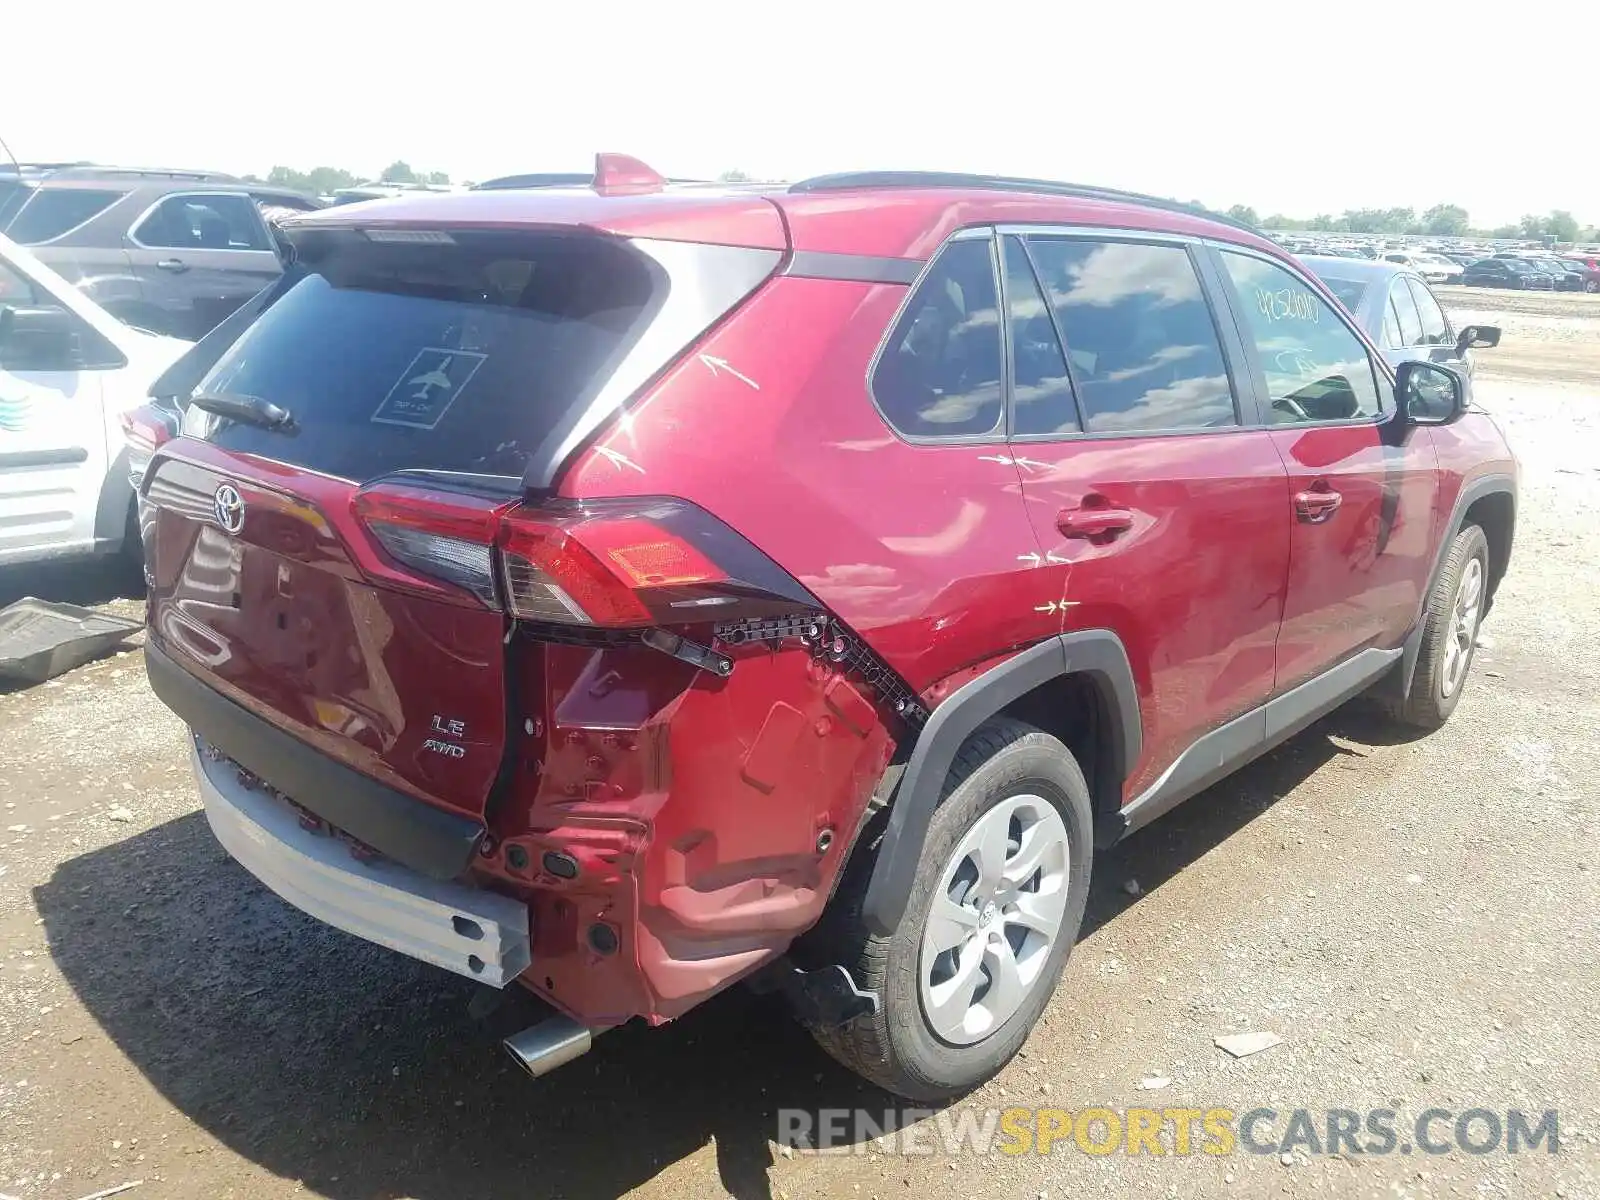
x: 1417, y: 920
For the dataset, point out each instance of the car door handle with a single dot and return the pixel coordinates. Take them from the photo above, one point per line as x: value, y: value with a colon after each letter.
x: 1093, y: 522
x: 176, y: 265
x: 1316, y: 506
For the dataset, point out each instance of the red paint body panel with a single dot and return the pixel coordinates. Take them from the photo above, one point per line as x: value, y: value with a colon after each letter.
x: 1195, y: 588
x: 1358, y: 576
x: 694, y: 806
x: 926, y: 551
x: 286, y: 619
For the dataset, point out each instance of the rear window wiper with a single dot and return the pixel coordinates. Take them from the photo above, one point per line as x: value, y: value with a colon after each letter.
x: 252, y: 410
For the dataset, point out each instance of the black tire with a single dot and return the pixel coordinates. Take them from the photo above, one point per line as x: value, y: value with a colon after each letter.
x: 132, y: 549
x: 897, y: 1048
x: 1428, y: 706
x: 1591, y: 286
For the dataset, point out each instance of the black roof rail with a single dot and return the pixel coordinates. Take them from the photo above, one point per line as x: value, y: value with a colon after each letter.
x: 7, y: 167
x: 1005, y: 183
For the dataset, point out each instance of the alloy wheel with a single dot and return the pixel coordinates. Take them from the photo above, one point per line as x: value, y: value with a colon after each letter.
x: 995, y: 917
x: 1464, y: 613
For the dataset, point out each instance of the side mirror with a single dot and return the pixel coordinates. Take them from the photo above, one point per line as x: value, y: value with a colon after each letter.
x: 1478, y: 337
x: 1429, y: 394
x: 38, y: 338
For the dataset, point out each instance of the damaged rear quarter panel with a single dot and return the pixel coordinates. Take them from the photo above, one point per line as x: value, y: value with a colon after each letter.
x: 694, y: 806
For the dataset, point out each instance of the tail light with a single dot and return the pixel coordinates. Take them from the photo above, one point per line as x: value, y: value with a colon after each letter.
x: 442, y: 534
x: 145, y: 430
x: 606, y: 564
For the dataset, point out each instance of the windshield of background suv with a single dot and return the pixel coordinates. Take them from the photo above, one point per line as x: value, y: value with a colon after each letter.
x: 457, y: 356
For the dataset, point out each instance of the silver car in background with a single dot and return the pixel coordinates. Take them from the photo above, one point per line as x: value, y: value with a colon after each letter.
x: 1400, y: 312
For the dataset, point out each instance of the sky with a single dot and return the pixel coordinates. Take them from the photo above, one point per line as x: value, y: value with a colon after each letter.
x: 1288, y: 107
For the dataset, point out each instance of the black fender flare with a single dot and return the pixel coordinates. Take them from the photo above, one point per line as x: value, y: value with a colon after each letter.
x: 1471, y: 492
x: 1095, y: 652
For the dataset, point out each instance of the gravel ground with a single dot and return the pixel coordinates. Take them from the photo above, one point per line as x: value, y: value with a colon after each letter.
x: 1416, y: 920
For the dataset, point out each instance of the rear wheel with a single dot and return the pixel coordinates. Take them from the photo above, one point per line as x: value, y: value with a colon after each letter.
x: 1450, y: 632
x: 1000, y: 893
x: 1591, y: 286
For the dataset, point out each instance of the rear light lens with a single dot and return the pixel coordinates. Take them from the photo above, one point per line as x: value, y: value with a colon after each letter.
x: 610, y: 563
x: 145, y: 430
x: 445, y: 535
x: 603, y: 566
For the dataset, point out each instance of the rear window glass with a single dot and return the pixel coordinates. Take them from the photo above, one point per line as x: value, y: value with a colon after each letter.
x: 458, y: 356
x: 1349, y: 291
x: 54, y: 211
x: 939, y: 376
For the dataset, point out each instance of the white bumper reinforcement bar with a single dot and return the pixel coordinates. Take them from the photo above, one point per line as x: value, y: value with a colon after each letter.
x: 474, y: 933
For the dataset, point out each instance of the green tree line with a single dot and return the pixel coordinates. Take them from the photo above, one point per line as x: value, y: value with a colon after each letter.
x: 319, y: 181
x: 1442, y: 220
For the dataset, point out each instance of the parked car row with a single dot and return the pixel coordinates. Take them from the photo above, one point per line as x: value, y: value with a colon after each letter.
x: 69, y: 375
x: 1523, y: 267
x: 170, y: 251
x: 1541, y: 272
x: 1434, y: 267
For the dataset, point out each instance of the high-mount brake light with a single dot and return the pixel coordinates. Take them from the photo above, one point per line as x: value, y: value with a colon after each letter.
x: 445, y: 535
x: 423, y: 237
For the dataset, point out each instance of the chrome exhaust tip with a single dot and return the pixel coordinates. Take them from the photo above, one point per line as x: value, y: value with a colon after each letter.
x: 553, y: 1042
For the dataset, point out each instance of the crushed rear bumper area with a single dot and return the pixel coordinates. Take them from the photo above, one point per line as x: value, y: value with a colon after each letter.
x: 429, y: 840
x: 475, y: 933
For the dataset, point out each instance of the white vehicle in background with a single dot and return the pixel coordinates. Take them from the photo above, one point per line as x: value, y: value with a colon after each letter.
x: 68, y: 371
x: 1435, y: 268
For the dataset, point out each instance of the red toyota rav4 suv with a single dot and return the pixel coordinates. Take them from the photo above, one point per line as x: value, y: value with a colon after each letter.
x: 625, y: 591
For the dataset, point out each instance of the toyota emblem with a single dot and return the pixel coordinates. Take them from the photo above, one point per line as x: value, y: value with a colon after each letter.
x: 228, y: 506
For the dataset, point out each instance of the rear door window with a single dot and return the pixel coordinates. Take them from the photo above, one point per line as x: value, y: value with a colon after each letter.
x: 1140, y: 336
x: 460, y: 355
x: 1390, y: 339
x: 1405, y: 309
x: 52, y: 212
x: 939, y: 374
x: 1435, y: 329
x: 203, y: 221
x: 1041, y: 386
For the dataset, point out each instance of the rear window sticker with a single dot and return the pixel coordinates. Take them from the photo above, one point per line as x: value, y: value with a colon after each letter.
x: 427, y: 388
